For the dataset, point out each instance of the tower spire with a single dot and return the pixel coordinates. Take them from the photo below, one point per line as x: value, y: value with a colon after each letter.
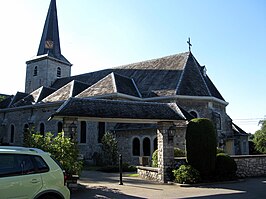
x: 50, y: 42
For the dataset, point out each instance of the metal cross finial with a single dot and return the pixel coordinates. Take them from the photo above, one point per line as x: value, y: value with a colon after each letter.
x: 189, y: 44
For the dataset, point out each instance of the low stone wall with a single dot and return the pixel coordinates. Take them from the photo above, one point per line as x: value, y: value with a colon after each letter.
x: 149, y: 173
x: 250, y: 165
x: 247, y: 166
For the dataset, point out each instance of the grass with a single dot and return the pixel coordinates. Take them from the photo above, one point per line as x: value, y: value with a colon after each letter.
x: 132, y: 175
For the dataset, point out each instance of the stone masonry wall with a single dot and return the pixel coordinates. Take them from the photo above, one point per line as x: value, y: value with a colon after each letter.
x: 247, y: 166
x: 149, y: 173
x: 250, y: 165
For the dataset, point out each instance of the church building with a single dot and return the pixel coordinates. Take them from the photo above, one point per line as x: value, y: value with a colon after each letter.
x: 129, y: 100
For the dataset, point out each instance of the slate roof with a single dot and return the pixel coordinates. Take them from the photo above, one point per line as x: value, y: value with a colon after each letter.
x: 133, y: 126
x: 178, y: 74
x: 99, y: 108
x: 5, y: 103
x: 35, y: 96
x: 69, y: 90
x: 238, y: 131
x: 51, y: 34
x: 16, y: 98
x: 112, y: 83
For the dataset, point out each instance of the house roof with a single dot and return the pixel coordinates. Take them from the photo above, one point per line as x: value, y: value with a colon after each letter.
x: 120, y: 111
x: 5, y: 103
x: 112, y: 83
x: 35, y: 96
x: 69, y: 90
x: 238, y: 131
x: 178, y: 74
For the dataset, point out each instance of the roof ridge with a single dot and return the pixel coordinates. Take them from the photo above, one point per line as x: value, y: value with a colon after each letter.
x: 149, y: 60
x: 182, y: 74
x: 198, y: 65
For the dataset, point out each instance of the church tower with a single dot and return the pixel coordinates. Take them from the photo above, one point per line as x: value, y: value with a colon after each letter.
x: 49, y: 64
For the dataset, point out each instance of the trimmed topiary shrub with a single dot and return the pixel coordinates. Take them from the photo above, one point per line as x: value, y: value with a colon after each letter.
x: 219, y: 150
x: 201, y: 146
x: 186, y: 174
x: 225, y: 167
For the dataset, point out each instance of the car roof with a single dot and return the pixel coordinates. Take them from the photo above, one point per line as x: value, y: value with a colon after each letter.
x: 20, y: 150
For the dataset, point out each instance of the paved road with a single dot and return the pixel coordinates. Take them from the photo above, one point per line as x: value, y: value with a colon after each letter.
x: 105, y: 185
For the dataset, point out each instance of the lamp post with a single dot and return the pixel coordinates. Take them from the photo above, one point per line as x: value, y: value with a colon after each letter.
x: 72, y: 130
x: 171, y: 133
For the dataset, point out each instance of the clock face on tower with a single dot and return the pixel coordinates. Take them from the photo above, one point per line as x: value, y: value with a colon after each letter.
x: 49, y: 44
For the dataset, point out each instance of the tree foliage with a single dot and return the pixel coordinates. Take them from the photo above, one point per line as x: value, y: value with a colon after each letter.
x: 61, y: 148
x: 110, y: 149
x: 260, y: 138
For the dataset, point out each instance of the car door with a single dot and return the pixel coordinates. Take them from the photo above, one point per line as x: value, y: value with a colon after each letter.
x: 19, y: 179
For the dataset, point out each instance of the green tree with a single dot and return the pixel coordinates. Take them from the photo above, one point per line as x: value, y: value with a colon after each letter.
x: 61, y: 148
x: 260, y: 138
x: 110, y: 149
x: 2, y: 97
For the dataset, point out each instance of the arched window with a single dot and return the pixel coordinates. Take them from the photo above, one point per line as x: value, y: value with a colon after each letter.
x: 59, y: 127
x: 42, y: 129
x: 194, y: 114
x: 217, y: 121
x: 35, y: 72
x: 12, y: 133
x: 146, y: 146
x: 155, y: 144
x: 136, y: 147
x: 58, y: 72
x: 83, y: 131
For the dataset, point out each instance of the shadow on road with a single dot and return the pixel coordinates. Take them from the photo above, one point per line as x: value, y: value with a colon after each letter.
x: 87, y: 192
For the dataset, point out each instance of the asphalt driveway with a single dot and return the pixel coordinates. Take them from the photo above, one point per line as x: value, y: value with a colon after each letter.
x: 93, y: 184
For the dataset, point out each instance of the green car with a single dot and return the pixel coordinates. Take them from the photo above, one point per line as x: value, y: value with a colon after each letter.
x: 29, y: 173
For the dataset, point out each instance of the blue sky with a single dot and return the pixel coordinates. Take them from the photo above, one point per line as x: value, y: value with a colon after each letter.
x: 228, y: 37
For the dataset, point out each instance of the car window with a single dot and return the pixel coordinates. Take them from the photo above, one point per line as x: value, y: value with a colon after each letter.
x: 41, y: 164
x: 15, y: 164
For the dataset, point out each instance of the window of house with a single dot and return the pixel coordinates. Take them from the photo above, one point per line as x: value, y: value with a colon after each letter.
x: 244, y: 146
x: 26, y: 128
x: 136, y: 147
x: 42, y: 129
x: 101, y: 131
x: 217, y: 120
x: 58, y: 72
x: 12, y: 133
x: 83, y: 131
x: 146, y: 146
x: 59, y: 127
x: 194, y: 114
x: 35, y: 72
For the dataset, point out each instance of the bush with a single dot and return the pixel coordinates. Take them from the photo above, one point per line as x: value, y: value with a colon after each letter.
x: 186, y: 174
x: 225, y: 167
x: 154, y: 160
x: 201, y: 146
x: 177, y: 153
x: 219, y: 150
x: 110, y: 149
x: 61, y: 148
